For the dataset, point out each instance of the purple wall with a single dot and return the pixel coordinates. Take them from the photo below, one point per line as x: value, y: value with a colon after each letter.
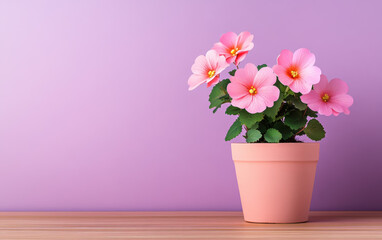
x: 95, y: 112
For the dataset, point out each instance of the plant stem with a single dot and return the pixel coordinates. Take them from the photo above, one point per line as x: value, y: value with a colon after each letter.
x: 302, y: 129
x: 286, y: 90
x: 305, y: 110
x: 279, y: 118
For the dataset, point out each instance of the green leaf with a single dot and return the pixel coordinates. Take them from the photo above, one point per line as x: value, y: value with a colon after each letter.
x: 234, y: 130
x: 249, y: 119
x: 255, y: 126
x: 219, y: 95
x: 297, y: 103
x: 311, y: 113
x: 272, y: 111
x: 231, y: 110
x: 288, y: 92
x: 283, y: 129
x: 261, y: 66
x: 272, y: 135
x: 281, y: 86
x: 295, y: 120
x: 232, y: 73
x: 315, y: 130
x: 262, y: 127
x: 253, y: 135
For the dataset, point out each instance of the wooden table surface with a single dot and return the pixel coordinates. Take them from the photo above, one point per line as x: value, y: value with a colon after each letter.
x: 183, y: 225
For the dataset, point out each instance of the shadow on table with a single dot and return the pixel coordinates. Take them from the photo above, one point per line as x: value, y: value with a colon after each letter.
x: 356, y: 217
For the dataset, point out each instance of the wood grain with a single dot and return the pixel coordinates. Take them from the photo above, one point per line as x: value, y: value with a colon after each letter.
x: 183, y: 225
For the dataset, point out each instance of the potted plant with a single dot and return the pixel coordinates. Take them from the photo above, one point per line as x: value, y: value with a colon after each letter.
x: 274, y: 106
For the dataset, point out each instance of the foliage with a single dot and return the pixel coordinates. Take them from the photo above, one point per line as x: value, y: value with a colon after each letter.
x: 282, y: 122
x: 272, y: 104
x: 315, y: 130
x: 234, y: 130
x: 272, y: 135
x: 253, y: 135
x: 219, y: 95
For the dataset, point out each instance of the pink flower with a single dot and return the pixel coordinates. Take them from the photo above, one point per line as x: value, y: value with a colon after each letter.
x: 206, y: 69
x: 329, y: 97
x: 252, y: 89
x: 296, y: 70
x: 234, y: 48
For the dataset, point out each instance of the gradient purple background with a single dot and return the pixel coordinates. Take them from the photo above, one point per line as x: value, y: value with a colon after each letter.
x: 95, y: 112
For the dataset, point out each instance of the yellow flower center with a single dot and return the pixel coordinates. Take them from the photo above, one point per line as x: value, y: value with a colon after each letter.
x: 294, y: 74
x: 325, y: 98
x: 252, y: 91
x: 234, y: 51
x: 211, y: 73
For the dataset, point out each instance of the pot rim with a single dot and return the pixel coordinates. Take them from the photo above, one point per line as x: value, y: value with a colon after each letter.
x: 275, y: 152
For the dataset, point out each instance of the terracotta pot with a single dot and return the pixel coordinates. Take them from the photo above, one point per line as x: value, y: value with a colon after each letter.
x: 275, y: 180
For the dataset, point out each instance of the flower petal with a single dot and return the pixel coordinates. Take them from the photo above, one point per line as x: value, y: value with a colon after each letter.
x: 221, y: 49
x: 242, y: 102
x: 257, y: 105
x: 200, y: 65
x: 240, y: 57
x: 269, y: 94
x: 285, y: 58
x: 281, y: 73
x: 344, y: 100
x: 265, y: 77
x: 229, y: 39
x: 236, y: 90
x: 213, y: 81
x: 321, y: 87
x: 222, y: 64
x: 195, y: 80
x: 315, y: 105
x: 311, y: 97
x: 311, y: 74
x: 230, y: 59
x: 335, y: 106
x: 212, y: 59
x: 299, y: 85
x: 246, y: 75
x: 336, y: 113
x: 337, y: 86
x: 346, y: 111
x: 303, y: 58
x: 244, y: 41
x: 324, y: 109
x: 249, y: 47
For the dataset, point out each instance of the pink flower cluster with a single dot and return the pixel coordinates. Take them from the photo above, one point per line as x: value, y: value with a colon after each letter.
x: 207, y: 69
x: 254, y: 89
x: 231, y: 48
x: 329, y: 98
x: 297, y: 71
